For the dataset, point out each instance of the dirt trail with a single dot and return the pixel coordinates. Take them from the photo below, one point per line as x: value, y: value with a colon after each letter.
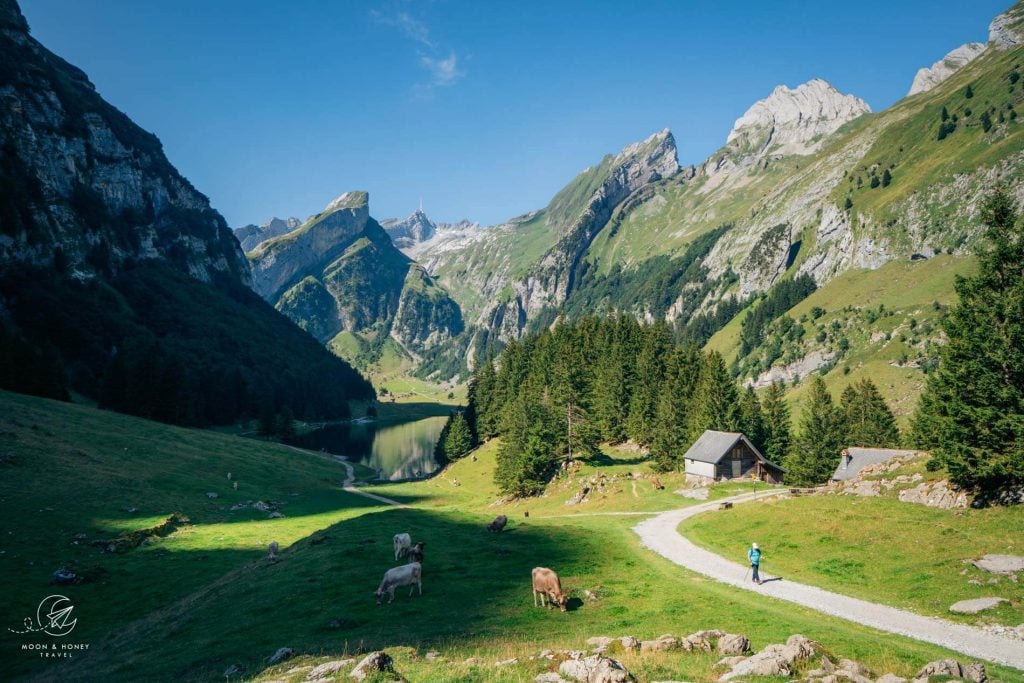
x: 661, y: 535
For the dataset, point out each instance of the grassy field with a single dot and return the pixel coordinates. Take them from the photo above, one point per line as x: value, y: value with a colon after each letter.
x: 189, y: 605
x: 878, y: 549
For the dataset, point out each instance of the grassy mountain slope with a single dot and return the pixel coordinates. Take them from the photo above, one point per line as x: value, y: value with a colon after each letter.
x: 205, y: 597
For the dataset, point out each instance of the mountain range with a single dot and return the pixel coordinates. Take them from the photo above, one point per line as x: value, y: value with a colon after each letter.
x: 809, y: 185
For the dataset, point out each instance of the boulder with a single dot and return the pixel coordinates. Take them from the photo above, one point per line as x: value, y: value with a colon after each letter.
x: 938, y: 495
x: 373, y: 663
x: 976, y: 605
x: 729, y: 662
x: 659, y: 644
x: 329, y: 668
x: 282, y: 654
x: 549, y: 677
x: 941, y: 667
x: 1000, y: 564
x: 433, y: 656
x: 507, y: 662
x: 853, y: 667
x: 733, y: 644
x: 629, y: 642
x: 599, y: 641
x: 595, y: 669
x: 891, y: 678
x: 763, y: 663
x: 702, y: 640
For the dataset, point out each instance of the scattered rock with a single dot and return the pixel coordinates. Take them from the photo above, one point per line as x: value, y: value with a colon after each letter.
x: 282, y: 654
x: 371, y: 663
x: 579, y: 497
x: 976, y: 605
x: 599, y: 641
x: 702, y: 640
x: 938, y: 495
x: 328, y: 668
x: 80, y: 537
x: 891, y: 678
x: 854, y: 667
x: 975, y: 672
x: 549, y: 677
x: 232, y: 670
x: 211, y: 494
x: 733, y: 644
x: 261, y: 506
x: 433, y: 656
x: 64, y: 576
x: 1000, y: 564
x: 595, y: 669
x: 507, y: 662
x: 941, y: 667
x: 695, y: 494
x: 629, y: 642
x: 774, y: 660
x: 659, y: 644
x: 1014, y: 632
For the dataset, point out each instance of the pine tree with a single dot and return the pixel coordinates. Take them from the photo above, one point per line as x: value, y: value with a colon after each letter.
x: 525, y: 456
x: 483, y: 406
x: 650, y: 372
x: 610, y: 396
x: 886, y: 178
x: 671, y: 437
x: 816, y: 452
x: 458, y: 439
x: 777, y: 428
x: 866, y: 419
x: 285, y: 425
x: 751, y: 419
x: 715, y: 400
x: 971, y: 414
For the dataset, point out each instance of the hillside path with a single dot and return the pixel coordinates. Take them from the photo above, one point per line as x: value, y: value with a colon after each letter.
x: 350, y: 478
x: 661, y: 535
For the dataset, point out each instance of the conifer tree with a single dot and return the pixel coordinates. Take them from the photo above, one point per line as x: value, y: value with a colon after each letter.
x: 866, y: 419
x: 971, y: 414
x: 777, y: 427
x: 670, y: 440
x: 610, y: 396
x: 715, y: 400
x: 649, y: 375
x: 751, y: 419
x: 456, y: 439
x: 816, y: 452
x: 525, y: 457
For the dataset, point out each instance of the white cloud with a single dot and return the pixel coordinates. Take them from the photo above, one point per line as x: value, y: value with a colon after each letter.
x: 442, y: 71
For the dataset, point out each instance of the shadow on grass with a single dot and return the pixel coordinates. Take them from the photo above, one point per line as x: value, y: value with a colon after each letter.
x: 319, y: 599
x: 604, y: 460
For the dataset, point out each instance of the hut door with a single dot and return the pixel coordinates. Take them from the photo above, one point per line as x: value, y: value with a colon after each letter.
x: 737, y: 468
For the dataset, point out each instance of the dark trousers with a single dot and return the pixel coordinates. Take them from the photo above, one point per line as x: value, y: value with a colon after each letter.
x: 757, y: 577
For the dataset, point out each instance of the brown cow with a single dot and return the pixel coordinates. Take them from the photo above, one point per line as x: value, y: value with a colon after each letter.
x: 416, y: 552
x: 547, y: 585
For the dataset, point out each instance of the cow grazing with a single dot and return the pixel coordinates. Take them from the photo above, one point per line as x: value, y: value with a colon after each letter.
x: 547, y: 585
x: 404, y: 575
x: 656, y: 483
x: 416, y: 552
x: 498, y: 524
x: 402, y: 544
x: 272, y: 551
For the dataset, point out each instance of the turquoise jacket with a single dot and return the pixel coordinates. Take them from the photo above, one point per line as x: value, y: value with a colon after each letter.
x: 754, y: 555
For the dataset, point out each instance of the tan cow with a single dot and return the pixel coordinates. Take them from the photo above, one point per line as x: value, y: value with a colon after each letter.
x: 547, y: 585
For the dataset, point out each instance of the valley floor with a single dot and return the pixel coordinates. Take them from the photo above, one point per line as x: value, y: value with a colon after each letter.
x: 190, y: 605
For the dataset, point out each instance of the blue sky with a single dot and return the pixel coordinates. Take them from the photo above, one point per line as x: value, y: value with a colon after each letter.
x: 483, y: 109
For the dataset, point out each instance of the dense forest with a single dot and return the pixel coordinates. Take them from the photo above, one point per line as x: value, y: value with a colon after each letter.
x: 153, y: 342
x: 556, y: 395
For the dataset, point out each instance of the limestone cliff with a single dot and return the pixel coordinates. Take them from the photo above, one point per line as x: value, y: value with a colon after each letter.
x: 83, y: 186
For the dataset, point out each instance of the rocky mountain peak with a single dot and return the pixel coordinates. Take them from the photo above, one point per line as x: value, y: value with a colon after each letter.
x: 657, y: 152
x: 350, y: 200
x: 1007, y: 30
x: 795, y: 121
x: 11, y: 16
x: 250, y: 236
x: 929, y: 77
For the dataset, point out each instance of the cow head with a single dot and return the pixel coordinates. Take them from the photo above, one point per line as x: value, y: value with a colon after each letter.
x: 560, y: 599
x: 378, y: 596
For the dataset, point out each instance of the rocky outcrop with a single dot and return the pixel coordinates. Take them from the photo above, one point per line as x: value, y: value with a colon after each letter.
x: 940, y: 494
x: 1006, y: 31
x: 794, y: 121
x: 250, y: 236
x: 929, y: 77
x: 83, y: 186
x: 426, y: 316
x: 550, y: 283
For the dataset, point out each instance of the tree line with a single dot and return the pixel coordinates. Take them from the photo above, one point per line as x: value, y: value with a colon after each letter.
x: 554, y: 396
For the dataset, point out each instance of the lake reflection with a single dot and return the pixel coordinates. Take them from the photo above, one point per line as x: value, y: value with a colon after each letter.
x: 398, y: 451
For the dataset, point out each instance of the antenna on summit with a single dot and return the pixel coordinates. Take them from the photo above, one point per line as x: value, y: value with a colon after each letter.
x: 421, y: 204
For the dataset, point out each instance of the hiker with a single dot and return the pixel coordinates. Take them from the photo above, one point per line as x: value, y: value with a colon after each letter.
x: 754, y: 555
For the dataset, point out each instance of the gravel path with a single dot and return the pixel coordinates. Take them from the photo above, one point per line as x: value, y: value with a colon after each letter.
x: 661, y: 535
x: 350, y: 477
